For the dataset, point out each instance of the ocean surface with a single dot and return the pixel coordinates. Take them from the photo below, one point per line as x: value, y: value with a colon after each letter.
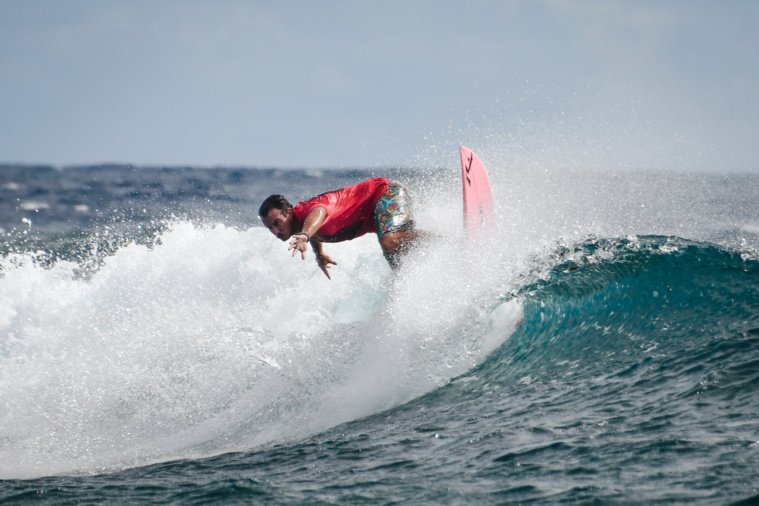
x: 158, y: 345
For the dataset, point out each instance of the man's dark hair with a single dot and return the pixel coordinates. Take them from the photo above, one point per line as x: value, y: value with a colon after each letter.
x: 274, y: 202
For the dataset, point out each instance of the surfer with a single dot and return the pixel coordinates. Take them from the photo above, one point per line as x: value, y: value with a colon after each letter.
x: 376, y: 205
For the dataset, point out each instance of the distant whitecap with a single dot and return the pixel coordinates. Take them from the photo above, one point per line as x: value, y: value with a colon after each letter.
x: 33, y: 205
x: 10, y: 185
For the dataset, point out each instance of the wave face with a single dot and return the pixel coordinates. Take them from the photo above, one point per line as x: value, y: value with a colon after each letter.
x: 182, y: 360
x: 620, y: 303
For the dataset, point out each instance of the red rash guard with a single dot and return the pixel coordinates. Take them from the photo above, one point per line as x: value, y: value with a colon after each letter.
x: 349, y: 210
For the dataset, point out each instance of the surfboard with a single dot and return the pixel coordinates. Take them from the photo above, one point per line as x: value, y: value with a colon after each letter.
x: 479, y: 214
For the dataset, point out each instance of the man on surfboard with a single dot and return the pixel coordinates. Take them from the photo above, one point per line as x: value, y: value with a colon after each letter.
x: 376, y: 205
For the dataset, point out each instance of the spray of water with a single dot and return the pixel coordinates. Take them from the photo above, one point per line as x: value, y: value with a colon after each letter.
x: 215, y: 339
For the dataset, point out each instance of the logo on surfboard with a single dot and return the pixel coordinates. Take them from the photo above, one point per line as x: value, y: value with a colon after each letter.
x: 468, y: 168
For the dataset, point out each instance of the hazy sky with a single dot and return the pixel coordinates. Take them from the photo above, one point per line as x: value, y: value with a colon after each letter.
x: 598, y: 84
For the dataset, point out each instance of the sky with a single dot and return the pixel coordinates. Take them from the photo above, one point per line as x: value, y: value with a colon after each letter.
x: 607, y: 85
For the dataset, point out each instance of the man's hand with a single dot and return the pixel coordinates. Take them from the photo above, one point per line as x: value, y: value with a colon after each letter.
x: 299, y: 242
x: 324, y: 262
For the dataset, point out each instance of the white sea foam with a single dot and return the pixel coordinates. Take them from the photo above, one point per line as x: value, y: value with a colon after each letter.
x: 218, y: 340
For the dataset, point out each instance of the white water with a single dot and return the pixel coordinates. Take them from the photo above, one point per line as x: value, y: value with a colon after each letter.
x: 218, y: 340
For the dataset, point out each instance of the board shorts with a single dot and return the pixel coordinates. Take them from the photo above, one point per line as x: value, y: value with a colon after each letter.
x: 393, y: 211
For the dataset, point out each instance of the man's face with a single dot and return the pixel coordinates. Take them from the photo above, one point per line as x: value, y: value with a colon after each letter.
x: 279, y: 224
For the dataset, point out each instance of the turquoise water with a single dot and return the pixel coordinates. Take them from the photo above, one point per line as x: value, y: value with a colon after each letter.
x: 158, y: 345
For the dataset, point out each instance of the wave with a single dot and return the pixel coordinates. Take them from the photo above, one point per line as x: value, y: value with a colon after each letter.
x: 197, y: 340
x: 607, y: 305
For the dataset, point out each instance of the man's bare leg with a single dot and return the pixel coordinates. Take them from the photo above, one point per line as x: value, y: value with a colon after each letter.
x: 396, y: 244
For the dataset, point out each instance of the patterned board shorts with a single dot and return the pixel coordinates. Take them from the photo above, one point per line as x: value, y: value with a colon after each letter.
x: 393, y: 211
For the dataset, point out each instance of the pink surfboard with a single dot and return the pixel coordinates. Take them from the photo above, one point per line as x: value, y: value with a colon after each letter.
x: 479, y: 214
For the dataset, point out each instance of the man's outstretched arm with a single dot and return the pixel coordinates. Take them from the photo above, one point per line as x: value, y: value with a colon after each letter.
x: 322, y: 260
x: 311, y: 225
